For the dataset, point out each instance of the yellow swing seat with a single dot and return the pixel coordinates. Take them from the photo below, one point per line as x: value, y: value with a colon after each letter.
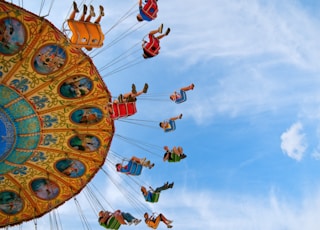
x: 85, y: 34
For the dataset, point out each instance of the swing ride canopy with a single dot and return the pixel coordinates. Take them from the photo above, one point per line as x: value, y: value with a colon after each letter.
x: 54, y: 127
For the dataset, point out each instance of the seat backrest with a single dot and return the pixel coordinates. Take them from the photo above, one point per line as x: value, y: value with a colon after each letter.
x: 123, y: 109
x: 151, y: 9
x: 172, y: 126
x: 174, y: 158
x: 113, y: 223
x: 183, y: 97
x: 155, y: 197
x: 85, y: 34
x: 135, y: 169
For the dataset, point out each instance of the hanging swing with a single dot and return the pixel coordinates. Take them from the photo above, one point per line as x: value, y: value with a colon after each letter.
x: 155, y: 197
x: 171, y: 126
x: 85, y: 34
x: 152, y: 47
x: 150, y: 9
x: 174, y: 158
x: 112, y: 223
x: 125, y: 109
x: 132, y: 168
x: 181, y: 97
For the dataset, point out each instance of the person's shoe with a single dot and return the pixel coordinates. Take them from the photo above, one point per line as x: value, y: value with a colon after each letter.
x: 180, y: 116
x: 130, y: 99
x: 136, y: 221
x: 145, y: 88
x: 160, y: 28
x: 130, y: 222
x: 169, y: 226
x: 75, y: 7
x: 134, y: 90
x: 170, y: 185
x: 168, y: 31
x: 85, y: 8
x: 101, y: 10
x: 92, y: 13
x: 192, y: 86
x: 182, y: 156
x: 120, y: 98
x: 142, y: 160
x: 151, y: 166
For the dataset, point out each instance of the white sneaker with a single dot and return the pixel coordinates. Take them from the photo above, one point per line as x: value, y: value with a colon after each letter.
x: 136, y: 221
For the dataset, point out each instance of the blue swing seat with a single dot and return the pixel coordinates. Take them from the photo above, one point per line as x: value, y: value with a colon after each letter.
x: 172, y: 126
x: 183, y: 97
x: 133, y: 168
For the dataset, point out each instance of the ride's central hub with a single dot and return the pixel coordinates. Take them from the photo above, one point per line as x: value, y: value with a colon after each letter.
x: 19, y: 129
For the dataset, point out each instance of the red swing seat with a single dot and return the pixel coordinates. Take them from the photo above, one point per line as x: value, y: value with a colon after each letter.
x: 124, y: 109
x: 151, y: 9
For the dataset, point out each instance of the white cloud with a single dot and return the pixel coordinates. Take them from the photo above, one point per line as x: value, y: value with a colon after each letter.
x: 316, y: 155
x: 254, y: 43
x: 293, y: 142
x: 243, y: 29
x: 209, y: 210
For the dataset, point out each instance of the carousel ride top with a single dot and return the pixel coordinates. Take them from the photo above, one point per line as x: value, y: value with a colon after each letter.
x: 54, y: 125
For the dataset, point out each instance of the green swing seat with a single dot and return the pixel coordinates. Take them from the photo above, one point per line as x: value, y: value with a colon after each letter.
x: 155, y: 197
x: 112, y: 223
x: 174, y: 158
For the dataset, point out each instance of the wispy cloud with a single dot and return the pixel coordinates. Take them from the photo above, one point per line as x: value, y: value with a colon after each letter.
x: 213, y: 210
x: 257, y: 53
x: 230, y: 211
x: 293, y: 142
x: 242, y: 30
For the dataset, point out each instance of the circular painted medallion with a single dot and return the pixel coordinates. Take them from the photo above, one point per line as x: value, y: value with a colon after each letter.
x: 49, y: 59
x: 76, y: 87
x: 12, y: 36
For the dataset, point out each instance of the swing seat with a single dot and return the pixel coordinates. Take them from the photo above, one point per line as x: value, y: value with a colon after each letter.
x: 155, y: 197
x: 150, y: 9
x: 85, y: 34
x: 174, y: 158
x: 134, y: 168
x: 152, y: 47
x: 183, y: 97
x: 152, y: 51
x: 171, y: 127
x: 112, y: 223
x: 123, y: 109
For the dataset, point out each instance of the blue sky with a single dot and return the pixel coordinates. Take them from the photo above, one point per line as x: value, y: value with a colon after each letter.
x: 250, y: 127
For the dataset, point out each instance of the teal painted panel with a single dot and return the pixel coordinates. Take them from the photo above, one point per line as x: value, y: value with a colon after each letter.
x: 29, y: 142
x: 30, y: 125
x: 4, y: 168
x: 20, y: 109
x: 18, y: 157
x: 7, y: 95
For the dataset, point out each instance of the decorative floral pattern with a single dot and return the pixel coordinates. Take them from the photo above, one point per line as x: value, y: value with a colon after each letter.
x: 54, y: 126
